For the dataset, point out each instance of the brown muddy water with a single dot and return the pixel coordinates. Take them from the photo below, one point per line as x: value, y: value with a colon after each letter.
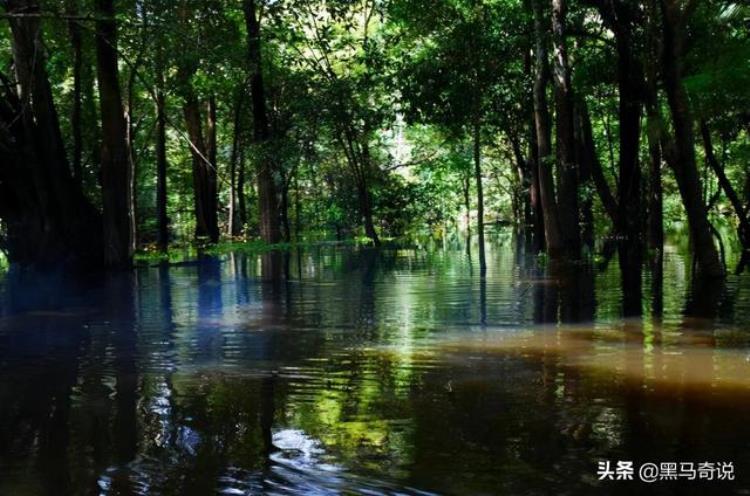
x: 364, y: 372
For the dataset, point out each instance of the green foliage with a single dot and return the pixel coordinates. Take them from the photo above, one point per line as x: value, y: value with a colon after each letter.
x: 380, y: 95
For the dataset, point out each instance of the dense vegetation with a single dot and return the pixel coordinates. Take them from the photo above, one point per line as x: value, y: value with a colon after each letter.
x: 587, y: 124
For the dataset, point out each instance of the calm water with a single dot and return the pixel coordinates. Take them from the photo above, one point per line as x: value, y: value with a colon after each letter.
x: 363, y: 372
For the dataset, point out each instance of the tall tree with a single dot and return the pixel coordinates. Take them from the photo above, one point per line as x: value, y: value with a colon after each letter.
x: 681, y: 156
x: 542, y: 123
x: 565, y: 140
x: 74, y: 30
x: 622, y: 18
x: 116, y: 168
x: 47, y: 217
x: 162, y: 218
x: 268, y: 210
x: 205, y: 200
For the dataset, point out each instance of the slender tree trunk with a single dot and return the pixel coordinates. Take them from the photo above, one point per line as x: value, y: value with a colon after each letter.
x: 542, y: 124
x: 524, y: 216
x: 535, y: 190
x: 466, y: 187
x: 362, y: 172
x: 74, y: 31
x: 568, y: 169
x: 116, y: 172
x: 162, y: 237
x: 212, y: 200
x: 480, y: 194
x: 585, y: 180
x: 297, y: 208
x: 654, y: 132
x: 739, y: 209
x: 682, y: 157
x: 241, y: 201
x: 591, y: 158
x: 284, y: 210
x: 234, y: 227
x: 655, y: 191
x: 267, y: 202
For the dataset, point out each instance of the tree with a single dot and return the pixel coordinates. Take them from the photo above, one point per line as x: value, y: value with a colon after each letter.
x: 116, y: 168
x: 567, y: 200
x: 552, y: 227
x: 267, y: 201
x: 681, y: 154
x: 48, y: 219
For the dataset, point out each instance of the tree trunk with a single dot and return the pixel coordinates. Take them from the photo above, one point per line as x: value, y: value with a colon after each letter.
x: 284, y: 210
x: 162, y: 236
x: 567, y: 168
x: 629, y: 114
x: 241, y: 202
x: 199, y: 154
x: 74, y: 31
x: 116, y: 173
x: 234, y: 228
x: 480, y: 194
x: 585, y: 180
x: 739, y: 209
x: 655, y: 192
x: 212, y: 200
x: 682, y: 157
x: 542, y: 124
x: 267, y: 201
x: 525, y: 215
x: 365, y: 197
x: 297, y: 210
x: 47, y: 217
x: 535, y: 190
x: 654, y: 132
x: 592, y: 163
x: 628, y: 223
x: 466, y: 186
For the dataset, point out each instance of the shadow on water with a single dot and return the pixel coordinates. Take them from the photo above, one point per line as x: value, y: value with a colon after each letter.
x: 401, y: 371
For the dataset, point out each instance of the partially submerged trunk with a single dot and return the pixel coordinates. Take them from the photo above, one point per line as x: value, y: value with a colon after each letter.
x: 241, y: 201
x: 116, y: 167
x: 212, y: 200
x: 268, y: 212
x: 629, y: 220
x: 585, y: 181
x: 655, y: 191
x: 162, y: 220
x: 743, y: 230
x: 535, y: 190
x: 365, y: 199
x: 682, y: 156
x: 205, y: 224
x: 654, y: 132
x: 567, y: 200
x: 552, y: 232
x: 47, y: 217
x: 234, y: 225
x: 480, y: 194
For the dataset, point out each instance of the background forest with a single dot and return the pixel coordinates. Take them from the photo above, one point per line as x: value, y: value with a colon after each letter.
x: 588, y: 125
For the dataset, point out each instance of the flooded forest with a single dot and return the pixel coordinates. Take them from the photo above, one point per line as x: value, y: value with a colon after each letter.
x: 374, y: 247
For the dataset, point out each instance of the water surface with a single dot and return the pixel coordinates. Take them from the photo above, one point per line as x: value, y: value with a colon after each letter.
x: 368, y: 372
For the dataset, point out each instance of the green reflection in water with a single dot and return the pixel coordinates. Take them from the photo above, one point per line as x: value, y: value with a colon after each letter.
x: 392, y: 371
